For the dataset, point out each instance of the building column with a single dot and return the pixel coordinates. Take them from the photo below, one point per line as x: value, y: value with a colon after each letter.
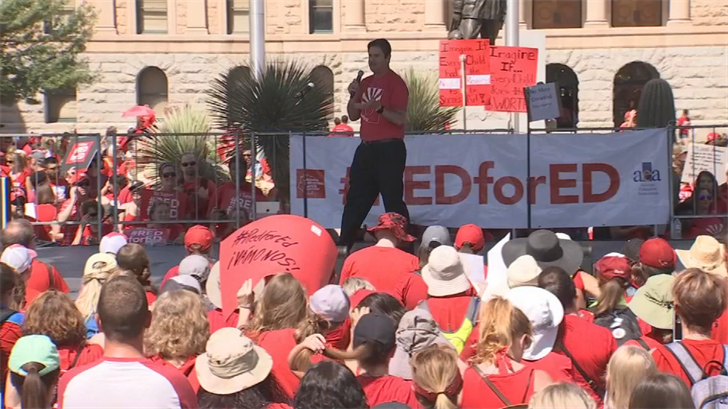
x: 679, y: 12
x: 106, y: 11
x: 355, y: 19
x: 596, y: 13
x: 522, y: 14
x: 435, y: 15
x: 131, y: 17
x: 197, y: 17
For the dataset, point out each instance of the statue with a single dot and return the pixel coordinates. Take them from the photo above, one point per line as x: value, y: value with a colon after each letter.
x: 473, y: 18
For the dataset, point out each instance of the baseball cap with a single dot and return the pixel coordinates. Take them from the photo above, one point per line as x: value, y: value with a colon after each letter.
x: 609, y: 267
x: 436, y: 234
x: 472, y: 234
x: 545, y: 312
x: 631, y: 249
x: 112, y: 242
x: 394, y: 222
x: 19, y: 257
x: 99, y: 266
x: 375, y: 327
x: 187, y: 283
x: 198, y: 236
x: 34, y: 348
x: 331, y: 303
x: 657, y: 253
x: 196, y: 266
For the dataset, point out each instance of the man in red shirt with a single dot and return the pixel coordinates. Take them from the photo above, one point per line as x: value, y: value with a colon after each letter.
x: 59, y: 184
x: 380, y: 100
x: 200, y: 190
x: 383, y: 264
x: 684, y: 121
x: 342, y: 127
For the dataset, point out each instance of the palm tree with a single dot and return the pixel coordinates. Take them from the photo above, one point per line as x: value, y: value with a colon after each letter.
x: 423, y: 110
x: 269, y: 104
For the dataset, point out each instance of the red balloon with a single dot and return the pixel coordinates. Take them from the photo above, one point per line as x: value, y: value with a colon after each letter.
x: 274, y: 245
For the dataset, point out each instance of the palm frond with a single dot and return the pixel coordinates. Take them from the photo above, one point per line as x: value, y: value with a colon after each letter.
x: 423, y: 110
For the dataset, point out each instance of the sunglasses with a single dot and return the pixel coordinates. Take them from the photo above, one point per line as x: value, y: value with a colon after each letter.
x: 10, y: 162
x: 168, y: 175
x: 703, y: 197
x: 187, y: 164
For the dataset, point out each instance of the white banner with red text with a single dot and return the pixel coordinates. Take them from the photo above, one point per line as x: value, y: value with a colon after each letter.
x: 578, y: 180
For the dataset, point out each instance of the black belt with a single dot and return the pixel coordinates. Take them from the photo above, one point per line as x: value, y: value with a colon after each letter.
x: 381, y: 141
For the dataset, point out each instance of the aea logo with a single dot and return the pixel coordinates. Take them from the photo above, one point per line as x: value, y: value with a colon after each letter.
x: 372, y: 94
x: 647, y: 174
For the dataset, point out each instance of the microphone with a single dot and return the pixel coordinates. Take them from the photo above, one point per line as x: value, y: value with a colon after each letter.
x: 359, y: 75
x: 302, y: 93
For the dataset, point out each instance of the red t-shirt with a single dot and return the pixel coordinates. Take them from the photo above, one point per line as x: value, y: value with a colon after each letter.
x: 651, y: 343
x: 559, y: 367
x: 703, y: 351
x: 177, y: 203
x: 217, y: 320
x: 385, y: 389
x: 683, y: 121
x: 383, y: 267
x: 10, y: 332
x: 151, y: 297
x: 172, y: 272
x: 705, y: 227
x: 391, y: 91
x: 44, y: 213
x: 517, y: 387
x: 90, y: 353
x: 719, y: 332
x: 226, y: 197
x: 39, y: 280
x: 279, y: 344
x: 338, y: 129
x: 411, y: 290
x: 124, y: 195
x: 194, y: 202
x: 19, y: 184
x: 591, y: 346
x: 187, y: 369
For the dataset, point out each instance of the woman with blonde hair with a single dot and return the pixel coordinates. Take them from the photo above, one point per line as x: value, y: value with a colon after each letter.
x: 627, y: 367
x: 96, y: 272
x: 562, y: 395
x: 497, y: 378
x: 436, y: 376
x: 178, y: 333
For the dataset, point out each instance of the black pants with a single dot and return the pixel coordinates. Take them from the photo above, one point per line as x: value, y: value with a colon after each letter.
x: 377, y: 168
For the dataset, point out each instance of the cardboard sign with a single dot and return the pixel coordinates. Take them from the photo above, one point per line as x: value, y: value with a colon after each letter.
x: 147, y: 236
x: 512, y: 69
x: 705, y: 158
x: 274, y: 245
x: 477, y: 72
x: 80, y: 153
x: 543, y: 102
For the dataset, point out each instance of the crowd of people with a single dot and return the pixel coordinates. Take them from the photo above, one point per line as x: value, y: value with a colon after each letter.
x: 392, y: 329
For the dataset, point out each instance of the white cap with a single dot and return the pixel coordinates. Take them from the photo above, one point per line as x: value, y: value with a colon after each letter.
x: 112, y: 242
x: 545, y: 312
x: 18, y: 257
x: 196, y: 266
x: 331, y: 303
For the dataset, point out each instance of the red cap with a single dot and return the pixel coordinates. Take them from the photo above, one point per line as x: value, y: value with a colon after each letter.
x: 657, y: 253
x: 472, y: 234
x: 394, y: 222
x: 358, y: 296
x: 200, y: 236
x: 713, y: 136
x: 613, y: 267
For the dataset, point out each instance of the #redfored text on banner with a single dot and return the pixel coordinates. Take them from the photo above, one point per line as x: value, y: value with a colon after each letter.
x: 477, y: 72
x: 512, y: 69
x: 576, y: 180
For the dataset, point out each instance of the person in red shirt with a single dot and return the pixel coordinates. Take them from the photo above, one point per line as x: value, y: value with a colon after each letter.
x: 587, y: 345
x: 505, y: 333
x: 11, y: 319
x: 19, y: 174
x: 87, y: 233
x: 159, y: 213
x: 341, y: 127
x: 436, y: 377
x: 654, y: 307
x: 383, y: 264
x: 198, y: 240
x: 213, y: 296
x: 228, y: 200
x: 199, y: 190
x: 657, y: 257
x: 683, y: 123
x: 700, y: 298
x: 80, y: 185
x: 169, y: 193
x: 380, y: 100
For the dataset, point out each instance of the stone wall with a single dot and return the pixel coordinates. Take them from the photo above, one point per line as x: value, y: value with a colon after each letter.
x: 122, y: 17
x: 395, y: 15
x: 213, y: 18
x: 709, y: 12
x: 181, y: 16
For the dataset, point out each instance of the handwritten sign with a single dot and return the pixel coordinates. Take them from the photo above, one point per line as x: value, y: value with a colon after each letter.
x: 274, y: 245
x: 512, y: 69
x: 147, y: 236
x: 477, y: 72
x: 543, y: 102
x: 705, y: 158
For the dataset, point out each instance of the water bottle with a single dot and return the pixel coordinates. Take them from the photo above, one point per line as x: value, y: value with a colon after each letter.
x: 676, y: 229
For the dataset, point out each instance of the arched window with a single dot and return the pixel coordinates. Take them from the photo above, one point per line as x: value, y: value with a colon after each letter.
x: 557, y: 14
x: 568, y: 86
x: 636, y: 13
x: 323, y: 77
x: 60, y: 105
x: 152, y: 89
x: 628, y: 84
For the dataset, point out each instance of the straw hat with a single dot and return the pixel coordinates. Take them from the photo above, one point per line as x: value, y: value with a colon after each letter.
x: 706, y: 254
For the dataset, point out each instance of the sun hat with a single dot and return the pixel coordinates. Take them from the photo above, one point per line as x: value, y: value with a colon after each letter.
x: 196, y: 266
x: 417, y: 330
x: 545, y: 312
x: 394, y: 222
x: 631, y: 249
x: 19, y: 257
x: 609, y: 267
x: 547, y: 249
x: 653, y: 303
x: 231, y: 363
x: 657, y: 253
x: 331, y: 303
x: 187, y: 283
x: 470, y: 233
x: 112, y: 242
x: 212, y: 286
x: 200, y: 236
x: 99, y: 266
x: 375, y: 327
x: 707, y: 254
x: 436, y: 234
x: 444, y: 273
x: 523, y: 271
x: 34, y: 348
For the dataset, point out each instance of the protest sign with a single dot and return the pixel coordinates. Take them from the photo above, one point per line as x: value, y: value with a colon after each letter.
x: 474, y: 265
x: 512, y: 69
x: 543, y: 102
x: 477, y: 72
x: 80, y: 154
x: 274, y: 245
x: 708, y: 158
x: 147, y: 236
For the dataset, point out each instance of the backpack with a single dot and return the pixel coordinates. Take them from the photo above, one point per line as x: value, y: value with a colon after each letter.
x: 708, y: 392
x: 460, y: 337
x: 622, y: 323
x: 5, y: 315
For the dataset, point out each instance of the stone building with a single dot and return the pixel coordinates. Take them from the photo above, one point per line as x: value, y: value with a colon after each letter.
x: 166, y: 52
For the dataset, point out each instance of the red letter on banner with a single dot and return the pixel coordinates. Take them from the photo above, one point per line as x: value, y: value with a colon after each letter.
x: 498, y: 190
x: 410, y: 185
x: 535, y: 181
x: 482, y: 180
x: 589, y: 195
x: 440, y: 172
x: 557, y: 184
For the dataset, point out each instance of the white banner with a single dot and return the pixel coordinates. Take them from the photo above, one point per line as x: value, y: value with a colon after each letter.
x: 708, y: 158
x: 580, y: 180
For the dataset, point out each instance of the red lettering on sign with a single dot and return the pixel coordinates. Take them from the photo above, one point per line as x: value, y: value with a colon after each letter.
x: 557, y: 183
x: 498, y: 190
x: 587, y: 170
x: 482, y: 180
x: 410, y: 185
x: 440, y: 172
x: 541, y: 180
